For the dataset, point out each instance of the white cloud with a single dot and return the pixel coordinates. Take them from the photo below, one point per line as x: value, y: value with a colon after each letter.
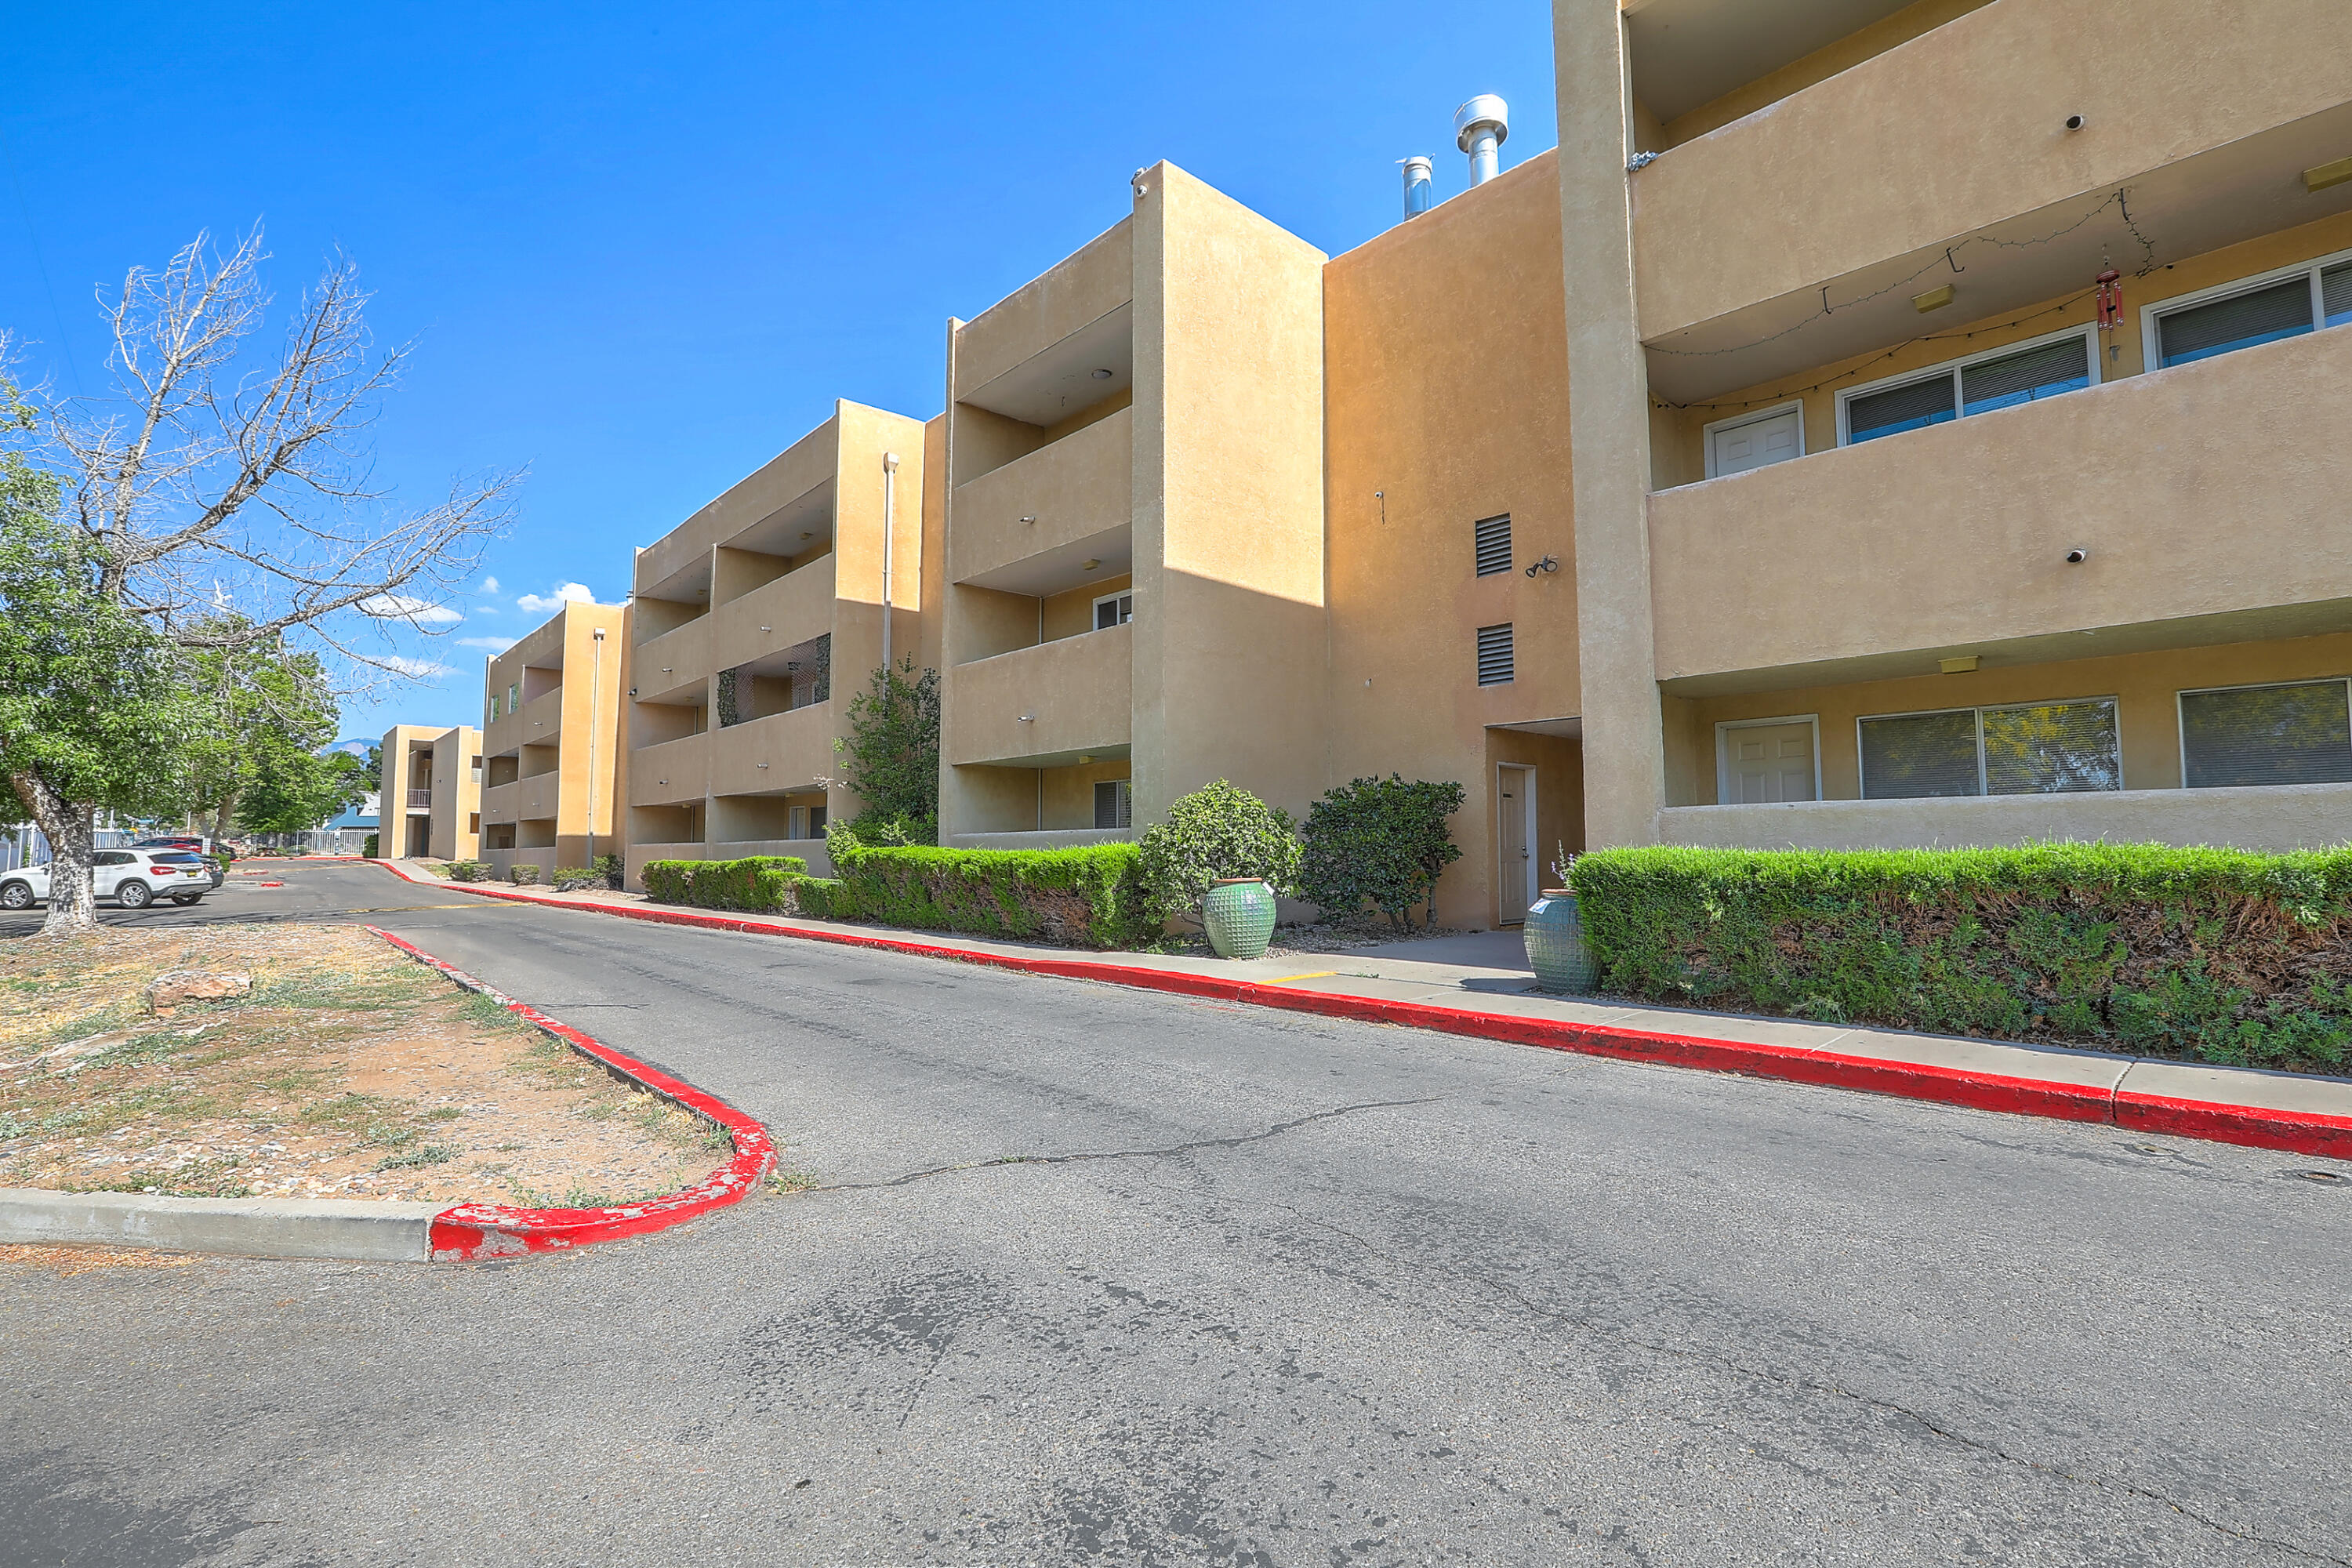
x: 422, y: 668
x: 401, y: 607
x: 495, y: 645
x: 490, y: 585
x: 486, y: 609
x: 566, y: 592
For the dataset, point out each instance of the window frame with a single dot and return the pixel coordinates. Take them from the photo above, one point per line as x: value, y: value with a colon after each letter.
x: 1862, y: 764
x: 2180, y: 718
x: 1118, y: 786
x: 1101, y: 599
x: 1723, y: 749
x: 1950, y: 369
x: 1753, y: 417
x: 2152, y: 314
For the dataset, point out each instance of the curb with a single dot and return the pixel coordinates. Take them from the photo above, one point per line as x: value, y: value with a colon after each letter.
x: 2221, y: 1121
x: 254, y: 1227
x: 494, y: 1230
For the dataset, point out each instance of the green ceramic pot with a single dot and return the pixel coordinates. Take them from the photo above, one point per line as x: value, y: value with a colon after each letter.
x: 1239, y: 913
x: 1555, y: 939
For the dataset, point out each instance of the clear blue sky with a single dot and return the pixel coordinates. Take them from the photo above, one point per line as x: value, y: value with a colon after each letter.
x: 645, y: 247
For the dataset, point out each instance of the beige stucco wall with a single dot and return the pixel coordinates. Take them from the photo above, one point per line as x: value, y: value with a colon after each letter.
x: 1076, y: 690
x: 1446, y: 360
x: 2144, y: 685
x: 1816, y: 187
x: 456, y: 791
x: 1229, y: 633
x: 2198, y: 491
x: 1077, y: 487
x: 2293, y: 817
x: 1087, y: 285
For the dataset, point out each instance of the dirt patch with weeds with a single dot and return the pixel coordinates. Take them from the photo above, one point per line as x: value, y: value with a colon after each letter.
x: 349, y: 1071
x: 71, y: 1260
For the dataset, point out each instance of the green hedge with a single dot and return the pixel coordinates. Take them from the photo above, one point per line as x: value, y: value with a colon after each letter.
x: 1085, y: 897
x: 2202, y: 954
x: 764, y: 883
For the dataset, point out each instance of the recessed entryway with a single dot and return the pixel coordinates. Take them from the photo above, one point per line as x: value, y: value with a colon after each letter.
x: 1764, y: 760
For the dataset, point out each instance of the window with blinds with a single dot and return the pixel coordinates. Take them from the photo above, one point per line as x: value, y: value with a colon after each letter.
x: 2298, y: 734
x: 1492, y: 539
x: 1977, y: 384
x: 1495, y: 655
x: 2034, y: 748
x: 1113, y: 805
x: 2276, y: 306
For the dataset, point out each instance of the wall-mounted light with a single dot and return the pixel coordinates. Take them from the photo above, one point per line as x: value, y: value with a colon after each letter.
x: 2326, y: 174
x: 1933, y: 300
x: 1028, y: 718
x: 1028, y: 520
x: 1549, y: 563
x: 1102, y: 375
x: 1088, y: 564
x: 1965, y: 665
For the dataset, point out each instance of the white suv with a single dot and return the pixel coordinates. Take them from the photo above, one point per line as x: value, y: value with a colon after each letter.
x: 131, y: 877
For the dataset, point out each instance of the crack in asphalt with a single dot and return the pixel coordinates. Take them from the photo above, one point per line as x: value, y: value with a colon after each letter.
x: 1233, y: 1140
x: 1803, y: 1385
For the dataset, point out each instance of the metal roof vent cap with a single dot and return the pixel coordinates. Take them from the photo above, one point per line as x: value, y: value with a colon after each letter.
x: 1417, y: 172
x: 1480, y: 128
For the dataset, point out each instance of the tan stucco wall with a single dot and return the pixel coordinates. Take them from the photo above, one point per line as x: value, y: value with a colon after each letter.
x: 2144, y: 685
x: 1813, y: 193
x: 1075, y: 690
x: 1085, y: 286
x: 2198, y: 491
x: 2294, y: 816
x: 1076, y: 487
x: 1609, y: 432
x: 456, y: 793
x: 1445, y: 359
x: 1228, y: 524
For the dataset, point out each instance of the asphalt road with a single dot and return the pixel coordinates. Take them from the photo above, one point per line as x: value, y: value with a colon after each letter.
x: 1240, y: 1287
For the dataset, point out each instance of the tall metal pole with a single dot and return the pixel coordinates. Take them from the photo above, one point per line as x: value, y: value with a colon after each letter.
x: 595, y: 714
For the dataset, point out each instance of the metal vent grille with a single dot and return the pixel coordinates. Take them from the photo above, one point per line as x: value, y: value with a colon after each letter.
x: 1495, y: 655
x: 1493, y: 543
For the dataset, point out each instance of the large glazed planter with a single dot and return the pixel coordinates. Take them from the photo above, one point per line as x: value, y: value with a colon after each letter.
x: 1239, y: 913
x: 1555, y: 939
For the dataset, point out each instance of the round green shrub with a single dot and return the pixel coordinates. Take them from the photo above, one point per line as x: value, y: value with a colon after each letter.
x: 1220, y: 830
x: 1381, y: 842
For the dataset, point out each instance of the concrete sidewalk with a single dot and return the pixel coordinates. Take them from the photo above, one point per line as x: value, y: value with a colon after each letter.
x: 1479, y: 983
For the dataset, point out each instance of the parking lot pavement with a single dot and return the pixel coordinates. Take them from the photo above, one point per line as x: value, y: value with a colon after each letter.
x: 1091, y: 1274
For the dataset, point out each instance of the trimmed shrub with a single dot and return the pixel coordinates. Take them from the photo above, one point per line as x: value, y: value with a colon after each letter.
x: 1220, y: 830
x: 2200, y: 954
x: 368, y: 847
x: 760, y: 883
x: 612, y: 869
x: 881, y: 830
x: 1381, y: 842
x: 523, y: 875
x: 467, y: 870
x: 1086, y: 897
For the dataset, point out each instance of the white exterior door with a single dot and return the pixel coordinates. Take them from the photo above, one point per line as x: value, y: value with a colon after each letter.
x: 1765, y: 763
x: 1753, y: 443
x: 1515, y: 863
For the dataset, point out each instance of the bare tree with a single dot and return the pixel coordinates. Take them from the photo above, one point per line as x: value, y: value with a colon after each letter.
x: 225, y: 491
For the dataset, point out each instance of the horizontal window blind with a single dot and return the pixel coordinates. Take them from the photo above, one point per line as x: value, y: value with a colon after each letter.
x: 1493, y: 544
x: 1495, y: 655
x: 1909, y: 408
x: 2240, y: 321
x: 2292, y: 734
x: 2336, y: 295
x: 1920, y: 754
x: 2044, y: 372
x: 2054, y: 748
x: 1114, y: 803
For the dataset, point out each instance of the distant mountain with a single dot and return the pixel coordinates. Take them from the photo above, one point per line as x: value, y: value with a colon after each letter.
x: 356, y: 748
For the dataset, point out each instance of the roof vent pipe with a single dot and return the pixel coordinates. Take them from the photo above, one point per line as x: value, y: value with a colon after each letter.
x: 1480, y: 128
x: 1417, y: 185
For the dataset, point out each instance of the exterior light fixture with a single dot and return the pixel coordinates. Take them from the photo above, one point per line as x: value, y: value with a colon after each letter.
x: 2326, y: 175
x: 1933, y: 300
x: 1102, y: 375
x: 1028, y: 520
x: 1088, y: 564
x: 1028, y: 718
x: 1965, y: 665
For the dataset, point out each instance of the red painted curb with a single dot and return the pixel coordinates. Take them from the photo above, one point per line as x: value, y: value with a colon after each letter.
x: 2304, y: 1133
x: 494, y: 1230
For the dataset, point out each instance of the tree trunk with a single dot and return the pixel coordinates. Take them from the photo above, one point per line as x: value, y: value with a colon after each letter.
x: 68, y: 827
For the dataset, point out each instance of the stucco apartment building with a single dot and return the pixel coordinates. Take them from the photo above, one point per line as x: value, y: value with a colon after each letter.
x: 1894, y: 524
x: 553, y: 762
x: 430, y: 803
x: 1877, y: 517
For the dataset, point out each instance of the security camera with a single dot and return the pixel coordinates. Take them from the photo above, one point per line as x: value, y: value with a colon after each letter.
x: 2077, y: 556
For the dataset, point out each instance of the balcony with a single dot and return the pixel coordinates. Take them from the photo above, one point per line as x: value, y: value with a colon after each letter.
x: 673, y: 773
x: 541, y: 722
x: 2277, y: 819
x: 793, y: 609
x: 2200, y: 494
x: 1079, y: 491
x: 500, y: 803
x: 1081, y: 290
x: 1042, y: 706
x: 1736, y: 231
x: 797, y: 749
x: 674, y: 659
x: 420, y: 800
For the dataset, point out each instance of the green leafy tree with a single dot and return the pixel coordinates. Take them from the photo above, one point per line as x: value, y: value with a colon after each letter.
x: 891, y: 755
x: 293, y: 791
x: 94, y: 706
x: 269, y: 711
x: 1220, y: 830
x: 1381, y: 842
